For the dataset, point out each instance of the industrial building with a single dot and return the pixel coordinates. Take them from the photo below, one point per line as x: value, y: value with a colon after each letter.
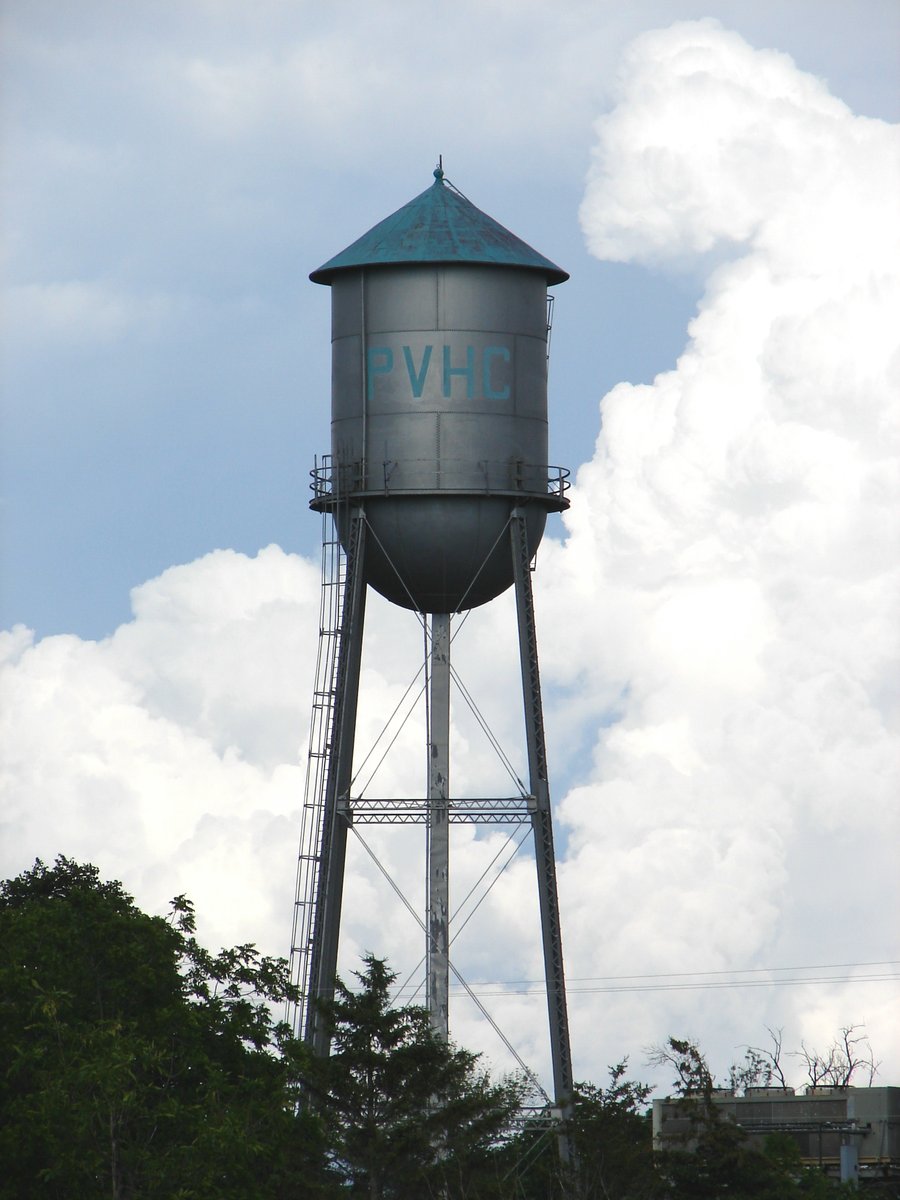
x: 851, y: 1133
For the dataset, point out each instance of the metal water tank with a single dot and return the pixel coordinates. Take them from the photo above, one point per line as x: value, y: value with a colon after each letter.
x: 439, y: 399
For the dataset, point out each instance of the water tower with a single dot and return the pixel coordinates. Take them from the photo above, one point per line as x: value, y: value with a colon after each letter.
x: 436, y: 493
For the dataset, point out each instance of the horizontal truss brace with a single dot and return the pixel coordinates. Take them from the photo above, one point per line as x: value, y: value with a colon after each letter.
x: 534, y: 1116
x: 514, y: 811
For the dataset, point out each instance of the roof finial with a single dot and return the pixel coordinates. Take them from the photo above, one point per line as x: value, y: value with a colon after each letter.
x: 439, y: 169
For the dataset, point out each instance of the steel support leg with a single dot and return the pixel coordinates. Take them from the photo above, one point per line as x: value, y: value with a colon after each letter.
x: 438, y: 828
x: 560, y: 1050
x: 337, y: 816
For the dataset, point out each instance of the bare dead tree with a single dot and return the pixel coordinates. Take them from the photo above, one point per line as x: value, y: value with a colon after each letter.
x: 762, y: 1066
x: 848, y: 1055
x: 848, y: 1060
x: 818, y: 1066
x: 856, y: 1055
x: 777, y: 1036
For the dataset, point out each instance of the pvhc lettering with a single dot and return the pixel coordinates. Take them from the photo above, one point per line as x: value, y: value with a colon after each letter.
x: 459, y: 365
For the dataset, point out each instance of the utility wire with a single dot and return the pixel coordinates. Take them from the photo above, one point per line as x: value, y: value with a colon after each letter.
x: 693, y: 981
x: 720, y: 985
x: 883, y: 962
x: 674, y: 975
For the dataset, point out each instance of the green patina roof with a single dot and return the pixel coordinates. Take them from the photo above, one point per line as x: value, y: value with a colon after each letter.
x: 438, y: 226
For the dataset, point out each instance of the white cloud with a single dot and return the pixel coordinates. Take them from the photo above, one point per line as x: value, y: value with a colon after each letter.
x: 170, y: 753
x: 707, y: 167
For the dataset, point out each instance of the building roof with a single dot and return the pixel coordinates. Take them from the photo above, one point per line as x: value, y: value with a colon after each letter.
x: 438, y: 226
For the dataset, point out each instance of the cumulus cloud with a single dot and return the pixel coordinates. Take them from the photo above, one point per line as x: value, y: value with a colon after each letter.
x: 170, y: 753
x: 173, y: 753
x: 718, y: 626
x: 731, y: 550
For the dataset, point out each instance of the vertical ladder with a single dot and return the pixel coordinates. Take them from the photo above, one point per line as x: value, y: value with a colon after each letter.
x: 321, y: 728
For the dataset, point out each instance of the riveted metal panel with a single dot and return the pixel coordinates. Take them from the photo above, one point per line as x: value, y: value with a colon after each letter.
x: 531, y: 379
x: 502, y: 300
x: 418, y: 469
x: 401, y: 298
x: 346, y: 305
x: 347, y: 378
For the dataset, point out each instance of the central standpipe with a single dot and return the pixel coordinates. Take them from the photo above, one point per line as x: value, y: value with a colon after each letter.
x: 438, y: 828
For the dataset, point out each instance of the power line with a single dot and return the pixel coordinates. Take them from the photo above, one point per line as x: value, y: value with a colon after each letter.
x: 844, y: 966
x: 841, y: 966
x: 710, y: 985
x: 698, y: 980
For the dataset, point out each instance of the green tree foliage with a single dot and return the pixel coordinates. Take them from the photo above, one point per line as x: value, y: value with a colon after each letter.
x: 612, y: 1138
x: 135, y: 1063
x: 407, y: 1115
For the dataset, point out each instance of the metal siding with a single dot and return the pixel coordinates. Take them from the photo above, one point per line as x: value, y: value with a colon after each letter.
x: 346, y: 305
x: 498, y: 299
x: 530, y: 385
x: 417, y: 469
x: 346, y: 379
x: 401, y: 298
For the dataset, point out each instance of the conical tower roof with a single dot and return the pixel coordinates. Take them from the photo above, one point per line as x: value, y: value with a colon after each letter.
x: 438, y: 226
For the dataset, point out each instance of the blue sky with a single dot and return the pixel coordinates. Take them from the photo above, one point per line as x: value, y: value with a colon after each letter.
x: 717, y: 612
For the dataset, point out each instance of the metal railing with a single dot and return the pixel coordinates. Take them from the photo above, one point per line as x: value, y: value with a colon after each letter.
x: 330, y: 481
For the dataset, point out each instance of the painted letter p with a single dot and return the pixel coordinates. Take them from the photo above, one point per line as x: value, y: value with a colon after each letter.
x: 379, y: 361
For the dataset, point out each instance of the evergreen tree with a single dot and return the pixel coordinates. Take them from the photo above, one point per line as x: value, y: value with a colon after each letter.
x: 613, y: 1139
x: 408, y: 1116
